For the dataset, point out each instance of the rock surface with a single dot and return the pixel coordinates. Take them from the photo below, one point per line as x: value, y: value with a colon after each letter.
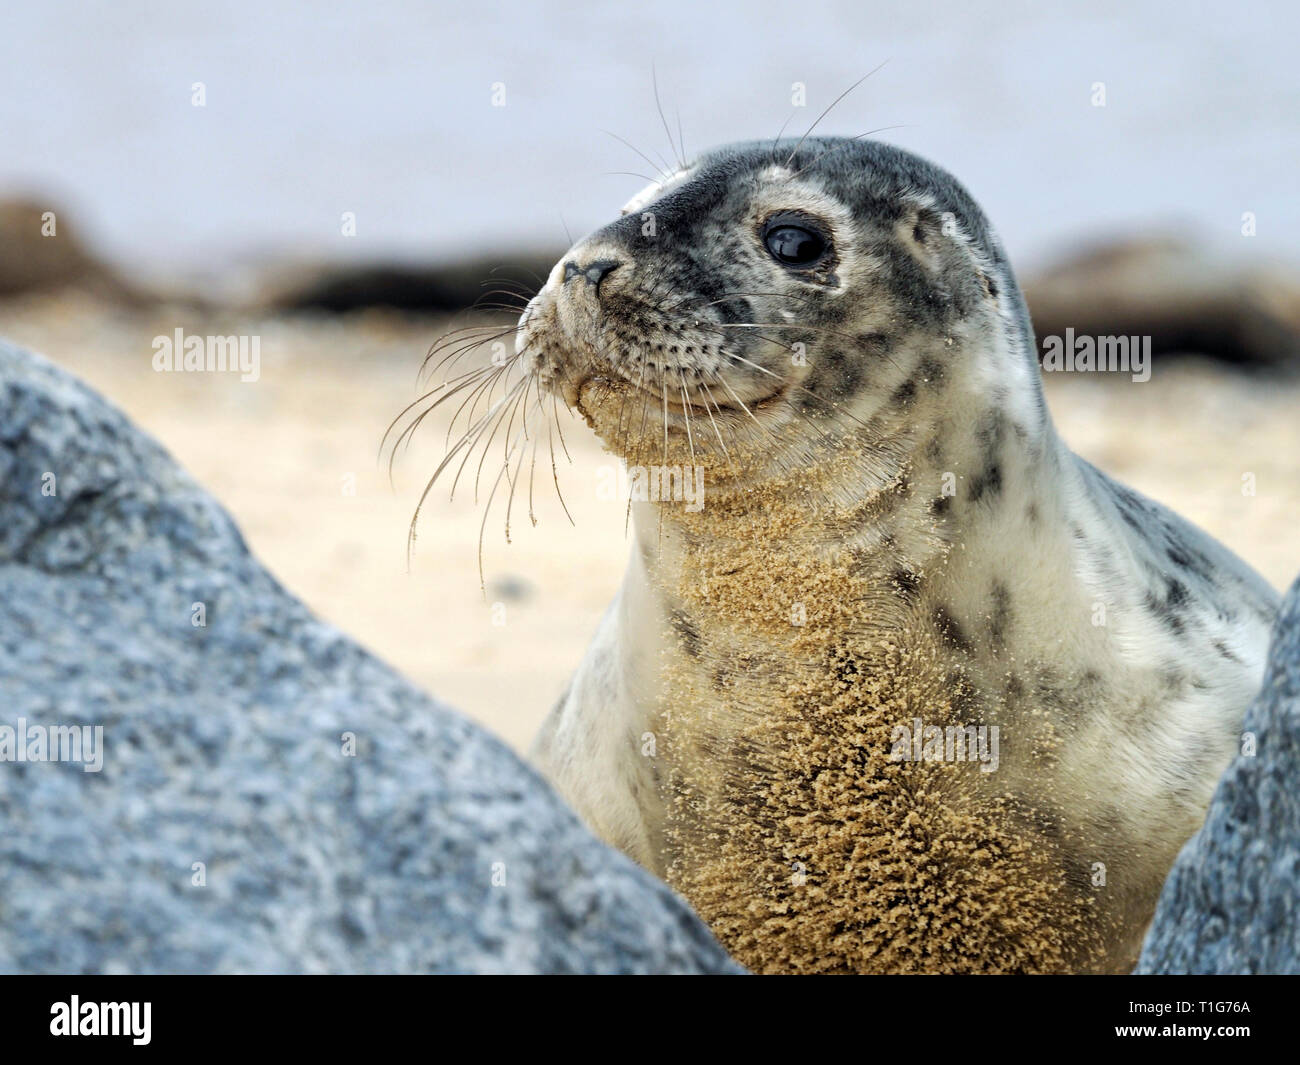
x: 1231, y: 903
x: 272, y: 798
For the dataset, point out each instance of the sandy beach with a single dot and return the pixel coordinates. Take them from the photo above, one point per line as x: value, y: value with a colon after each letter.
x: 295, y: 458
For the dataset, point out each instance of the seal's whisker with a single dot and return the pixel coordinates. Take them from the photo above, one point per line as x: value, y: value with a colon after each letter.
x: 502, y: 377
x: 472, y: 373
x: 716, y: 431
x: 513, y: 403
x: 552, y: 424
x: 532, y: 473
x: 558, y: 430
x: 686, y: 411
x: 409, y: 431
x: 424, y: 495
x: 506, y: 288
x: 483, y: 526
x: 466, y: 441
x: 622, y: 409
x: 475, y: 382
x: 663, y: 386
x: 774, y: 295
x: 654, y: 80
x: 521, y: 402
x: 414, y: 403
x: 450, y: 380
x: 728, y: 297
x: 641, y: 385
x: 628, y: 173
x: 503, y: 301
x: 623, y: 405
x: 451, y: 351
x: 455, y: 357
x: 451, y: 336
x: 455, y: 335
x: 817, y: 121
x: 491, y: 374
x: 641, y: 440
x: 506, y: 408
x: 663, y: 174
x: 741, y: 403
x: 847, y: 141
x: 711, y: 404
x: 804, y: 328
x: 393, y: 424
x: 834, y: 407
x: 521, y: 266
x: 747, y: 362
x: 461, y: 345
x: 514, y: 481
x: 507, y: 281
x: 501, y: 308
x: 776, y: 141
x: 491, y: 421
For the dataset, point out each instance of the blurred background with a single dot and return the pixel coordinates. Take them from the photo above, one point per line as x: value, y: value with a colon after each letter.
x: 338, y: 181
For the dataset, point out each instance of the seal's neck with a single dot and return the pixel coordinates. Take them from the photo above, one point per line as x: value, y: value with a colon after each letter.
x: 956, y: 467
x: 929, y: 502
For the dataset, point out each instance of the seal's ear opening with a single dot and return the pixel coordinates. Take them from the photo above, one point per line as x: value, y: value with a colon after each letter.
x: 937, y: 241
x: 921, y: 231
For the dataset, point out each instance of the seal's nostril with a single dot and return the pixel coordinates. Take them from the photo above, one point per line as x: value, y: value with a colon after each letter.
x: 596, y: 272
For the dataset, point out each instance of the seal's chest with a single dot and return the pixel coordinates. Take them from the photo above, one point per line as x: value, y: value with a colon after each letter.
x: 839, y: 809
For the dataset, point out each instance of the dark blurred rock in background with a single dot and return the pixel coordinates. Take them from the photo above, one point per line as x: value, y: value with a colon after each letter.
x: 40, y: 250
x: 481, y: 282
x: 1187, y: 298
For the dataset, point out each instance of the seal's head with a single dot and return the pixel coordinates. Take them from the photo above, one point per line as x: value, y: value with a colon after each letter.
x: 767, y: 285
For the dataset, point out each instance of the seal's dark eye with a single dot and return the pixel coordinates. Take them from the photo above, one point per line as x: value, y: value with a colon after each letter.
x: 795, y: 245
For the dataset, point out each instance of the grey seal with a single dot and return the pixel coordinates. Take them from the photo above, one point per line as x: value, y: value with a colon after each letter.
x: 911, y: 687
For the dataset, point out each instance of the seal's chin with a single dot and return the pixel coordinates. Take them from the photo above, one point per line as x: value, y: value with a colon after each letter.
x: 635, y: 422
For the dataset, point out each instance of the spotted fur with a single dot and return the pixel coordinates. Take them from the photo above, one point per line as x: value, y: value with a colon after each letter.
x: 890, y: 398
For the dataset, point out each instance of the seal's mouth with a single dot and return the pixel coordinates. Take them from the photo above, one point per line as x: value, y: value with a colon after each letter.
x: 600, y: 386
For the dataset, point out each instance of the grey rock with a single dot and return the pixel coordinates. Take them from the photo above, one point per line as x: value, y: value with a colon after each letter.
x: 1231, y: 903
x: 223, y: 744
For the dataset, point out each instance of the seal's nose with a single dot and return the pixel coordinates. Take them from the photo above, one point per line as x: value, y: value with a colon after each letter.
x: 594, y: 272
